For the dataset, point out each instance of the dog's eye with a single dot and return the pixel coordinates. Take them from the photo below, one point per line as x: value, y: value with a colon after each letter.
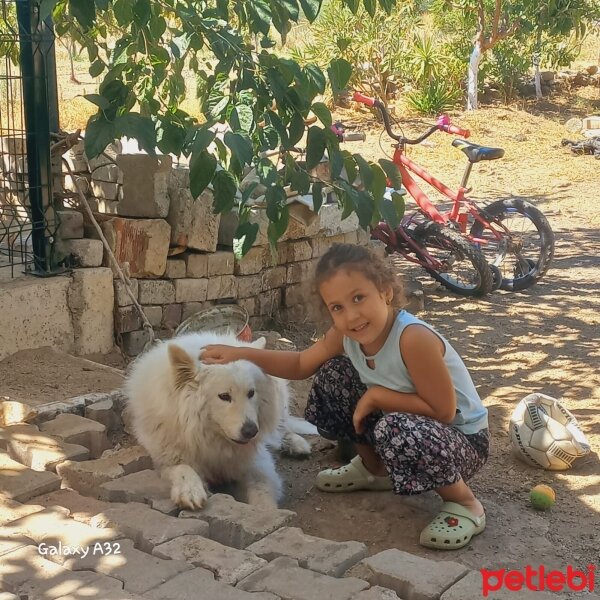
x: 250, y: 393
x: 225, y: 396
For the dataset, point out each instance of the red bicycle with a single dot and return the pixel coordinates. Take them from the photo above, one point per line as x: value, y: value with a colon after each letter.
x: 512, y: 235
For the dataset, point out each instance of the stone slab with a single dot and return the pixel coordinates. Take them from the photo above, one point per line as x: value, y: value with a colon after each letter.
x: 193, y: 222
x: 199, y: 584
x: 145, y: 181
x: 229, y: 565
x: 410, y: 576
x: 285, y: 578
x: 30, y: 575
x: 85, y: 252
x: 27, y: 324
x: 25, y: 444
x: 378, y: 593
x: 237, y: 524
x: 143, y: 486
x: 11, y: 510
x: 148, y: 528
x: 58, y: 533
x: 80, y: 508
x: 90, y: 301
x: 138, y: 571
x: 74, y: 429
x: 21, y: 483
x: 143, y: 243
x: 87, y: 477
x: 314, y: 553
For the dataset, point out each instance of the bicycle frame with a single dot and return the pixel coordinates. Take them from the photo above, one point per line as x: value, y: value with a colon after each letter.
x: 406, y: 166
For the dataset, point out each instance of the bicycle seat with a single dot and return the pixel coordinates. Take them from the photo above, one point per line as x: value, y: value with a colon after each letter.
x: 475, y: 153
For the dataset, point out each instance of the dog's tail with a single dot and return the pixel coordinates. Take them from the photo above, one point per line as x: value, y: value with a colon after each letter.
x: 300, y: 426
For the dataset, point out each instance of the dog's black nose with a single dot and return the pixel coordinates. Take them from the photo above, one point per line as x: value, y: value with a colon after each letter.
x: 249, y: 430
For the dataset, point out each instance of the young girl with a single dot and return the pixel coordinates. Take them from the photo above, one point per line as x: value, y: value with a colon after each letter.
x: 388, y: 382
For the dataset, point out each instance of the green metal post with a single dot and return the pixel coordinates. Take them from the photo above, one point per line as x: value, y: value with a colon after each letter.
x: 33, y: 38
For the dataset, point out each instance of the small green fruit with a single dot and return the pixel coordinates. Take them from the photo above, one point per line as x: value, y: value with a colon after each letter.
x: 542, y: 497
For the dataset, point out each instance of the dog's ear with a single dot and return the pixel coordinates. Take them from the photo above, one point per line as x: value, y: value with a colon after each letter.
x: 260, y: 343
x: 184, y: 368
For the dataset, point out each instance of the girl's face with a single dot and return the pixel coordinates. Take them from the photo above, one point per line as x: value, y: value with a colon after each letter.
x: 358, y: 308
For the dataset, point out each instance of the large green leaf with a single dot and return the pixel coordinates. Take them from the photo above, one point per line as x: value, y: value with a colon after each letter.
x: 100, y: 101
x: 378, y: 181
x: 316, y: 80
x: 98, y: 134
x: 311, y: 8
x: 260, y: 15
x: 134, y: 125
x: 317, y: 195
x: 202, y: 169
x: 366, y: 176
x: 392, y: 172
x: 46, y: 8
x: 339, y: 71
x: 96, y: 68
x: 242, y: 118
x: 388, y: 212
x: 84, y: 11
x: 370, y: 6
x: 296, y: 129
x: 323, y: 113
x: 141, y: 12
x: 291, y: 6
x: 202, y: 139
x: 316, y: 143
x: 240, y: 145
x: 123, y: 11
x: 225, y: 188
x: 244, y: 237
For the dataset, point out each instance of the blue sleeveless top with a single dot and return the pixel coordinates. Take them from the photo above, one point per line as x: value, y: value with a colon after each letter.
x: 391, y: 372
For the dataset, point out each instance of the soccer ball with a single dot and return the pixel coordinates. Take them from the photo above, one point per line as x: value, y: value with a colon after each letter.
x: 545, y: 434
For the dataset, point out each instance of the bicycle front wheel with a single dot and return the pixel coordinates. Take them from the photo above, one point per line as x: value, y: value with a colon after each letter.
x: 463, y: 269
x: 523, y: 246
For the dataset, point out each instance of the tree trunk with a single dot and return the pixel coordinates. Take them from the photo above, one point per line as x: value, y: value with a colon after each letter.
x: 538, y: 81
x: 474, y: 62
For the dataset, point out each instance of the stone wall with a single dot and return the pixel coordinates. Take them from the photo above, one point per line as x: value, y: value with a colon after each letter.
x: 179, y: 254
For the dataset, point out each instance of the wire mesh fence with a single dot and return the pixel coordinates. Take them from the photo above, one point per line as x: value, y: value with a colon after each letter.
x: 28, y: 113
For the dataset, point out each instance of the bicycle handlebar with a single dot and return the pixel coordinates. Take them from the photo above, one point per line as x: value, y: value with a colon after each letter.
x: 443, y: 123
x: 455, y: 130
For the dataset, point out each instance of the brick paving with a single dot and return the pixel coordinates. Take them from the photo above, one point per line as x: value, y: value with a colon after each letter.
x: 73, y: 528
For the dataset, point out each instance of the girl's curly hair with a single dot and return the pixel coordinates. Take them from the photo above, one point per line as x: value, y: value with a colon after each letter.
x: 362, y: 259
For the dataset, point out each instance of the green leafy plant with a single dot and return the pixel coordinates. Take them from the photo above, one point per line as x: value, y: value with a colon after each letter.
x: 433, y: 97
x: 262, y: 97
x: 509, y: 63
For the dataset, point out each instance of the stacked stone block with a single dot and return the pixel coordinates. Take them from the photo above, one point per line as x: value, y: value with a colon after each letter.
x: 179, y: 254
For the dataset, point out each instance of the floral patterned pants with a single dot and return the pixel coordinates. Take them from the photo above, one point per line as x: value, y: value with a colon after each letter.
x: 420, y: 453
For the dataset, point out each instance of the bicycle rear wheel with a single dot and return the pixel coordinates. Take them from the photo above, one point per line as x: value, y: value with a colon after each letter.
x: 464, y: 269
x: 525, y: 252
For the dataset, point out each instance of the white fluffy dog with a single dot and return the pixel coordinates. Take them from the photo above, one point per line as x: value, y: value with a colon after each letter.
x: 208, y: 425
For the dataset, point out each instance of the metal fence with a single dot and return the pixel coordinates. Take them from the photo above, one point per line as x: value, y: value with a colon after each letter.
x: 28, y: 115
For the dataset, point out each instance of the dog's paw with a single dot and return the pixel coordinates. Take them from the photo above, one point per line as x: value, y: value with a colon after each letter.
x: 188, y: 491
x: 294, y: 445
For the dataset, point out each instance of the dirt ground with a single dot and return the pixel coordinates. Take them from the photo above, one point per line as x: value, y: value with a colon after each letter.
x: 546, y: 339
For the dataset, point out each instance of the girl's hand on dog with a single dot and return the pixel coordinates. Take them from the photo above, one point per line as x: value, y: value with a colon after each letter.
x: 219, y: 354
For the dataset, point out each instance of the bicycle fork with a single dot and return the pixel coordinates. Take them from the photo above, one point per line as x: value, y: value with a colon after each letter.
x: 405, y: 246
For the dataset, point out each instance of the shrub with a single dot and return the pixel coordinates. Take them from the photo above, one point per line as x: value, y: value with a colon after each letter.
x: 434, y: 97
